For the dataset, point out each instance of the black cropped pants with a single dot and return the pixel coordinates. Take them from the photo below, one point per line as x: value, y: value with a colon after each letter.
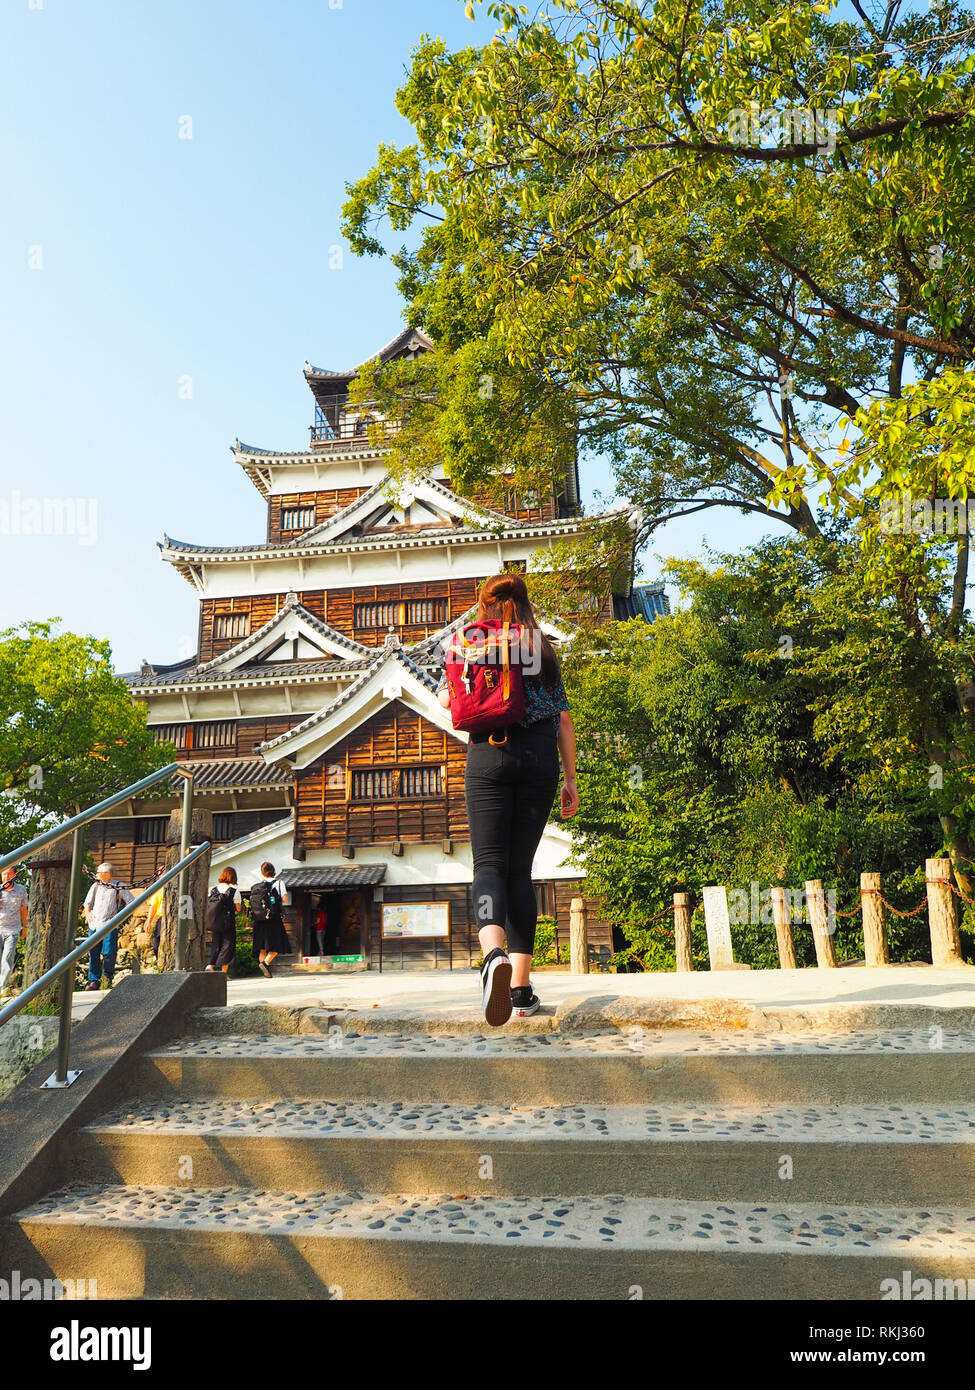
x: 510, y: 791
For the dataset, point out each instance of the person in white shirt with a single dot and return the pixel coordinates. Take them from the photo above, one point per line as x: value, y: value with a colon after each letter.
x: 222, y: 906
x: 105, y: 898
x: 13, y: 922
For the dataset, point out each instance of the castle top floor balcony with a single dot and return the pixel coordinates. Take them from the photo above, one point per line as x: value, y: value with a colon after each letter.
x: 340, y: 426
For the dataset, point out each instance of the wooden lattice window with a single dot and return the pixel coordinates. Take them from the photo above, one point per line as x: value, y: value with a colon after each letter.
x: 421, y: 781
x: 379, y: 784
x: 374, y: 784
x: 231, y: 625
x: 297, y: 518
x: 170, y: 733
x: 416, y: 612
x: 221, y: 733
x: 151, y: 830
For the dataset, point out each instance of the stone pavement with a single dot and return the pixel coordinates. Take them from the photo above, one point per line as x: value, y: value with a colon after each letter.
x: 899, y: 995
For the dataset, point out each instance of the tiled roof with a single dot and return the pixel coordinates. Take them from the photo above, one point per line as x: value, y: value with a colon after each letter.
x: 337, y: 877
x: 254, y: 670
x: 377, y: 493
x: 225, y: 773
x: 383, y: 355
x: 293, y: 608
x: 238, y: 448
x: 388, y: 540
x: 391, y: 646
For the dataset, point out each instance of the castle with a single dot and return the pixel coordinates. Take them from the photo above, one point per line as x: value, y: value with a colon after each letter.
x: 309, y: 711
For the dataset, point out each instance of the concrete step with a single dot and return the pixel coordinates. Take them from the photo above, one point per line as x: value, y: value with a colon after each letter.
x: 734, y: 1068
x: 143, y: 1242
x: 875, y: 1153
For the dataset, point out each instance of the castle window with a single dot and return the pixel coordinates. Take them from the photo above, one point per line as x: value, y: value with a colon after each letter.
x: 374, y: 785
x: 217, y: 734
x: 379, y: 784
x: 223, y: 827
x: 170, y: 733
x: 418, y: 612
x: 515, y: 566
x: 297, y: 518
x: 421, y: 781
x: 151, y: 830
x: 231, y: 625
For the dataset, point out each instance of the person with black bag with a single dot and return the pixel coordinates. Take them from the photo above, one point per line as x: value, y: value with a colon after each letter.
x: 266, y: 901
x: 222, y: 905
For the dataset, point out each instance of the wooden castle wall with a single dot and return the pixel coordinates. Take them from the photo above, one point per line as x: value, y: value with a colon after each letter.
x: 329, y: 813
x: 338, y: 608
x: 326, y: 502
x: 245, y: 735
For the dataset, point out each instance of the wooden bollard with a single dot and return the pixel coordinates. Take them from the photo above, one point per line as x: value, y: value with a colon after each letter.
x: 875, y: 950
x: 578, y: 938
x: 816, y: 908
x: 682, y: 930
x: 942, y: 917
x: 783, y: 929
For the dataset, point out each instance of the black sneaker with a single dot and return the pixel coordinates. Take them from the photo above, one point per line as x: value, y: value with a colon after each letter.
x: 496, y: 993
x: 265, y: 969
x: 524, y: 1002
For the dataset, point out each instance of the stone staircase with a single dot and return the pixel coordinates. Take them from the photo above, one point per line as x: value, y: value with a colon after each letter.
x: 661, y: 1165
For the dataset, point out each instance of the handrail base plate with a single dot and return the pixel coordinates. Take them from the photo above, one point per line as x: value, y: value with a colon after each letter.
x: 53, y: 1084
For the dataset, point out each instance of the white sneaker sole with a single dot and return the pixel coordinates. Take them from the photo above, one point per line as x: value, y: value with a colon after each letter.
x: 525, y: 1011
x: 496, y: 998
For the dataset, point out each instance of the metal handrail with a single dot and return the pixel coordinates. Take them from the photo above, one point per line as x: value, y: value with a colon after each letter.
x: 83, y: 817
x: 63, y: 969
x: 60, y: 1077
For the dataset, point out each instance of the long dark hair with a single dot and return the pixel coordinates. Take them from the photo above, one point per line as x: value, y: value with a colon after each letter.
x: 505, y: 599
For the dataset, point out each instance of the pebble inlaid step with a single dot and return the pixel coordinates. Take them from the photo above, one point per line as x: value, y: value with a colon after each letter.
x: 606, y: 1220
x: 399, y: 1119
x: 638, y: 1043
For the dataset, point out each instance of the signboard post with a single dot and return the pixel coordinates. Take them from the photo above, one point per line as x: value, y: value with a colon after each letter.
x: 402, y: 921
x: 718, y: 928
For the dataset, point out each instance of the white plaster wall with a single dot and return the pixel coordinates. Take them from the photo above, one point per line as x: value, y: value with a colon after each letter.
x: 457, y: 560
x: 419, y: 864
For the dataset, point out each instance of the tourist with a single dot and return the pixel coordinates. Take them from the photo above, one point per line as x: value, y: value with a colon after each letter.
x: 222, y: 906
x: 266, y: 900
x: 510, y: 789
x: 13, y: 922
x: 321, y: 926
x: 105, y: 899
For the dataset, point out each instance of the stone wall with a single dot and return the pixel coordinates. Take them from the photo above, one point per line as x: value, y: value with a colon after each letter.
x: 23, y: 1042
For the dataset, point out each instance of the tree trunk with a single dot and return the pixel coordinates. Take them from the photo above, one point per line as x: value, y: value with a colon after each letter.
x: 194, y: 909
x: 49, y: 934
x: 962, y: 853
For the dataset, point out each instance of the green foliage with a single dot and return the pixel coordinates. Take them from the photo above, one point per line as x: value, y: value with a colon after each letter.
x: 546, y: 951
x: 707, y: 240
x: 245, y: 961
x: 70, y: 732
x: 613, y: 233
x: 763, y: 733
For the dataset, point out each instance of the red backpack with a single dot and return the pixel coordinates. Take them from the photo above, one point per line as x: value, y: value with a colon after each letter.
x: 484, y: 678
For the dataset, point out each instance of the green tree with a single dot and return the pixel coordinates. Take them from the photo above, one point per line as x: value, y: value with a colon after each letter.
x: 703, y: 238
x: 733, y: 742
x: 70, y: 733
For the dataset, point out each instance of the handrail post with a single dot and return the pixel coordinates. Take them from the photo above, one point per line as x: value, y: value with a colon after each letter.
x: 60, y: 1077
x: 184, y: 877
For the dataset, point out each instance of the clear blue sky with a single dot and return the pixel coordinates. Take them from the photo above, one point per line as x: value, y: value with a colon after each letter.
x: 132, y: 259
